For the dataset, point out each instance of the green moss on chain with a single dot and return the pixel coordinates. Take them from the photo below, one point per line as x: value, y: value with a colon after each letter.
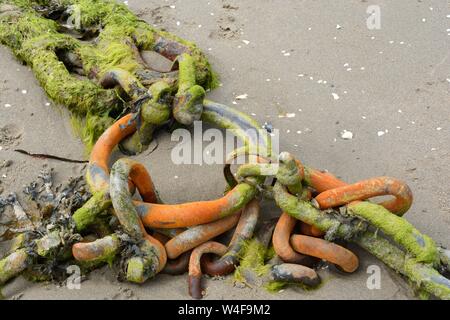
x: 109, y: 247
x: 306, y: 212
x: 37, y: 41
x: 401, y: 231
x: 252, y: 260
x: 13, y: 264
x: 90, y: 127
x: 87, y: 214
x: 428, y: 279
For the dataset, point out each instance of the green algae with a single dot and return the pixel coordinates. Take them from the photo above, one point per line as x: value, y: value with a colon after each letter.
x: 88, y: 213
x: 401, y: 231
x: 37, y: 40
x: 13, y: 264
x: 252, y: 258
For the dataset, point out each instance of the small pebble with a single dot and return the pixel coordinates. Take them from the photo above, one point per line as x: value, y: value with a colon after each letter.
x: 335, y: 96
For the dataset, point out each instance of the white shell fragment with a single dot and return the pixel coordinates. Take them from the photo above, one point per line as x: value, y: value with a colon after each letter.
x: 347, y: 135
x: 242, y: 96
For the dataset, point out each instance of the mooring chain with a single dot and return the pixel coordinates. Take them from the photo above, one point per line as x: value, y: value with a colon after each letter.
x: 146, y: 237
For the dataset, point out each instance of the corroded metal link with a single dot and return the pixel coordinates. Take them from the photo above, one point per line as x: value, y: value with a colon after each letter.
x: 310, y: 230
x: 256, y: 140
x: 295, y: 273
x: 33, y: 29
x: 197, y: 235
x: 123, y: 171
x: 282, y: 234
x: 120, y: 77
x: 139, y: 268
x: 189, y: 214
x: 367, y: 189
x: 424, y: 276
x: 421, y: 246
x: 195, y: 271
x: 283, y: 249
x: 244, y: 231
x: 98, y: 251
x: 188, y: 103
x: 179, y: 265
x: 259, y: 166
x: 325, y: 250
x: 97, y: 174
x: 13, y: 264
x: 306, y: 212
x: 290, y: 173
x: 321, y: 181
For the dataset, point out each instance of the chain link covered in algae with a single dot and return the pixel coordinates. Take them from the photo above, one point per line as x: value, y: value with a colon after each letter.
x: 70, y: 61
x: 94, y: 67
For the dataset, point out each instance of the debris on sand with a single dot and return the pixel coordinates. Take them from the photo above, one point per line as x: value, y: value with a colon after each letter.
x: 10, y: 135
x: 347, y: 135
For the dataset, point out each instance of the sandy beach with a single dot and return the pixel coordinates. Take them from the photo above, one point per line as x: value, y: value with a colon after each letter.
x: 313, y: 70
